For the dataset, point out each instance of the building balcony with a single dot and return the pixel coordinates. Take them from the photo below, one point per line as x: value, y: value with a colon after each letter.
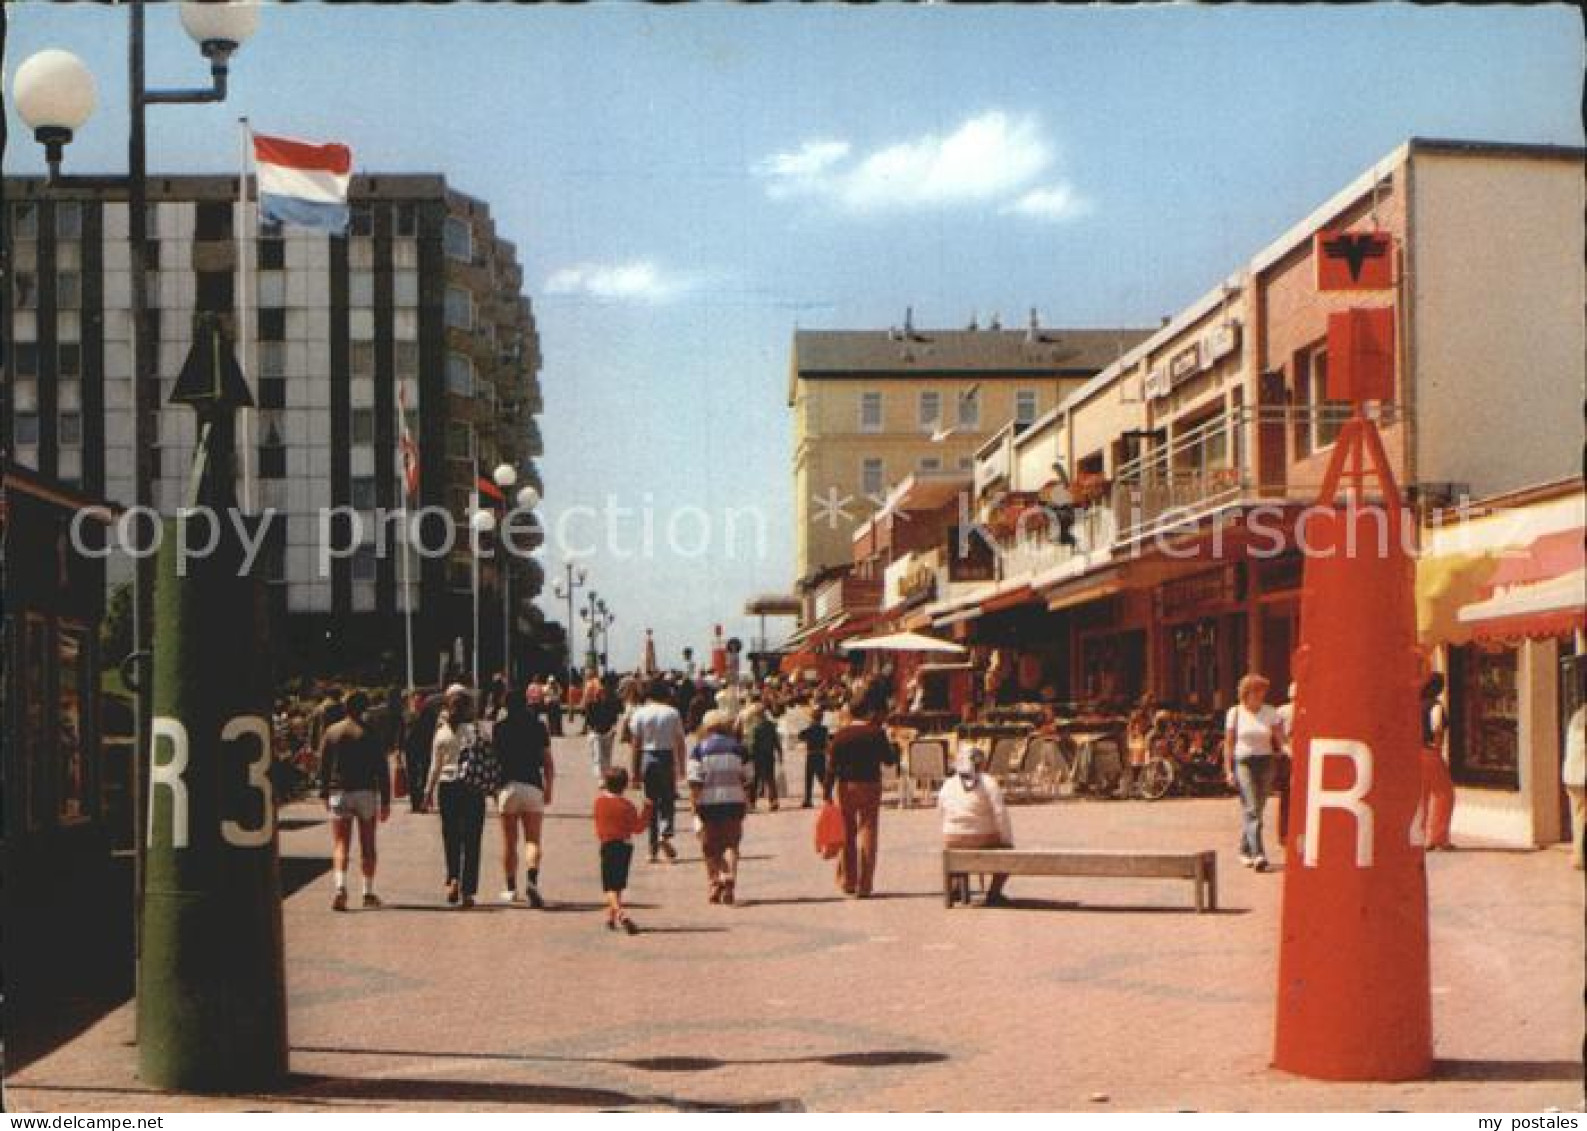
x: 1247, y: 457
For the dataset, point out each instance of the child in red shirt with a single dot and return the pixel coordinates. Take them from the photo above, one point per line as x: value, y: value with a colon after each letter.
x: 616, y: 820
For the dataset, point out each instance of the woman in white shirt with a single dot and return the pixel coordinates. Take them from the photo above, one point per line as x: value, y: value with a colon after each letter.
x: 974, y: 814
x: 1253, y: 736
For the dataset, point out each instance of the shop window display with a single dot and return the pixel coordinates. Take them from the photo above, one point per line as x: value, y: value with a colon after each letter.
x: 1486, y: 746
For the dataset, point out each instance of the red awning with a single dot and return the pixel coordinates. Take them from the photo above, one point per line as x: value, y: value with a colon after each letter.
x: 1536, y: 609
x: 1013, y: 599
x: 1550, y: 556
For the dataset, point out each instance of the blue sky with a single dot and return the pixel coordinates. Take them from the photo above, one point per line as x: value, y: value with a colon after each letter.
x: 687, y: 185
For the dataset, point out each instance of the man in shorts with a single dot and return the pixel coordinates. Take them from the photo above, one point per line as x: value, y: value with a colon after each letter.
x: 355, y: 786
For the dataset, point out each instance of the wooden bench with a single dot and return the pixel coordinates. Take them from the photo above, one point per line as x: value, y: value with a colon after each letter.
x: 1201, y: 868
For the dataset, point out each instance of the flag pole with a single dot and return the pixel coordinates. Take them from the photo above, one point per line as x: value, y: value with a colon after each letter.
x: 407, y: 534
x: 243, y: 237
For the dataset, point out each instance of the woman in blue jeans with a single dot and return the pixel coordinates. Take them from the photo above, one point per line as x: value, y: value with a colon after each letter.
x: 1253, y: 737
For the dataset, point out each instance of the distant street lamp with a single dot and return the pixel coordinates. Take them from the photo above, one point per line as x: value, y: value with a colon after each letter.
x: 564, y: 591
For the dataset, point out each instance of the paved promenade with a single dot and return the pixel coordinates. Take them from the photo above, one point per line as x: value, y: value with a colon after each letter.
x: 1088, y: 994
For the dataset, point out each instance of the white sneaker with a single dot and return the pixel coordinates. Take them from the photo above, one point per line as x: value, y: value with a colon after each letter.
x: 1247, y: 861
x: 509, y: 896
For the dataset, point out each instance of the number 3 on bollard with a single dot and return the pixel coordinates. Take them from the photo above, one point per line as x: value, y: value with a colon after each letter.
x: 170, y: 734
x: 258, y: 778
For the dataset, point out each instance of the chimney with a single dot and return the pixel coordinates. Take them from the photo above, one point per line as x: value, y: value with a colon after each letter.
x: 996, y: 322
x: 975, y: 323
x: 1033, y: 330
x: 909, y: 321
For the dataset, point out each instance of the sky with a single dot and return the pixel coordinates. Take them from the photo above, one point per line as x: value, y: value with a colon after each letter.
x: 688, y: 185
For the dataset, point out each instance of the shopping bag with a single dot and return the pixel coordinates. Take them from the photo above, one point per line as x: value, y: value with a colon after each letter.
x: 829, y: 831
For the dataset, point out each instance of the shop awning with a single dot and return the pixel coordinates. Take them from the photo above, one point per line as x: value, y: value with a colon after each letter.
x: 1083, y: 590
x: 1012, y: 599
x: 1535, y: 609
x: 904, y: 642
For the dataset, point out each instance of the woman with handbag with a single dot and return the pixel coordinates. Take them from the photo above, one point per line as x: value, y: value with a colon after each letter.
x: 454, y: 782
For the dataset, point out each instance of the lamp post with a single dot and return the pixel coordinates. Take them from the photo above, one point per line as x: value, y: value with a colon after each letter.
x: 565, y: 591
x: 593, y: 615
x: 54, y: 95
x: 527, y: 499
x: 480, y: 522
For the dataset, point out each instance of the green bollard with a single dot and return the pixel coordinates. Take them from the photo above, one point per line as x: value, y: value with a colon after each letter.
x: 212, y: 995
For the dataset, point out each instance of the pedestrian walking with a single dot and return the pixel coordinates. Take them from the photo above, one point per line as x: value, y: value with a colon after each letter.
x: 854, y: 766
x: 616, y: 820
x: 601, y: 711
x: 814, y: 737
x: 657, y: 733
x: 417, y: 738
x: 523, y: 747
x: 765, y: 751
x: 553, y: 704
x: 462, y: 805
x: 974, y: 815
x: 719, y: 767
x: 1438, y: 790
x: 1573, y: 774
x: 1253, y: 736
x: 355, y: 786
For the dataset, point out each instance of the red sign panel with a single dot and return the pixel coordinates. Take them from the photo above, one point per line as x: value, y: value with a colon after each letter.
x: 1353, y: 261
x: 1361, y: 354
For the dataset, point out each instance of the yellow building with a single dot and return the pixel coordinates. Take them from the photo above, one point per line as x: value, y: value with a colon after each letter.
x: 872, y: 407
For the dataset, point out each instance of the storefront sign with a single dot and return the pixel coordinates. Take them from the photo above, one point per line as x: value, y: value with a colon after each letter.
x: 1353, y: 261
x: 971, y: 559
x: 918, y: 584
x: 1361, y: 354
x: 1157, y: 383
x: 1195, y: 594
x: 1185, y: 364
x: 1218, y: 343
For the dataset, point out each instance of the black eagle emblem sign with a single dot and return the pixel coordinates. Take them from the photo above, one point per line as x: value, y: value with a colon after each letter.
x: 1355, y: 248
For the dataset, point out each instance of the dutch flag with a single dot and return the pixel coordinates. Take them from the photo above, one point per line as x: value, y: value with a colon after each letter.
x: 302, y: 183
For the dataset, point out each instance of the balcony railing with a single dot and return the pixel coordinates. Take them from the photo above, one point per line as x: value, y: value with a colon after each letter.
x: 1214, y: 464
x: 1039, y: 550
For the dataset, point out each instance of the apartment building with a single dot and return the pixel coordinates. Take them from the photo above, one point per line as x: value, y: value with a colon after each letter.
x: 421, y: 295
x: 873, y: 407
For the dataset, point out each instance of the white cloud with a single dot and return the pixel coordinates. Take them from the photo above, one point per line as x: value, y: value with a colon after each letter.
x: 789, y: 174
x: 636, y: 281
x: 1051, y: 202
x: 994, y: 157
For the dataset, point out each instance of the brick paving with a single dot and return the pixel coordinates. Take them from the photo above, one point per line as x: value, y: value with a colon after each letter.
x: 1088, y: 994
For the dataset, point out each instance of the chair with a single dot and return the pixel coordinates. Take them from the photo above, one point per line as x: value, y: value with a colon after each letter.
x: 1039, y: 768
x: 1003, y: 752
x: 928, y: 764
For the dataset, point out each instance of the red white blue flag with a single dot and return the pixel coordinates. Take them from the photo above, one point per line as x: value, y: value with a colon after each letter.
x: 302, y: 183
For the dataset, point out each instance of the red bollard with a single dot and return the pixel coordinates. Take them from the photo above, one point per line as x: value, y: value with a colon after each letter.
x: 1354, y: 996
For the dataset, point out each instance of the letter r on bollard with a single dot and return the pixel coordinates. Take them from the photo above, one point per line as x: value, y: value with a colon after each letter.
x: 1350, y: 800
x: 171, y: 733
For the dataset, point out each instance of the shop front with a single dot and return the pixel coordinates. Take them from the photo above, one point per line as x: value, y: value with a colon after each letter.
x: 1503, y: 608
x: 60, y: 802
x: 1203, y: 637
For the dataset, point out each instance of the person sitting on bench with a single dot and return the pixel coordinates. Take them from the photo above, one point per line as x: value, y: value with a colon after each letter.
x: 974, y: 815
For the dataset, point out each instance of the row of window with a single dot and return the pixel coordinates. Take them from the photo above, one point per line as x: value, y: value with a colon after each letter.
x: 212, y: 220
x: 967, y: 413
